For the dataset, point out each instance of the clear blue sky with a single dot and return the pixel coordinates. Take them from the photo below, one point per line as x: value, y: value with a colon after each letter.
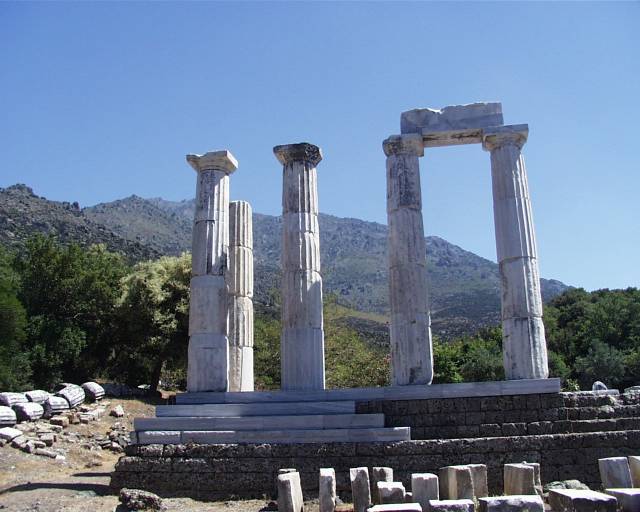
x: 103, y: 100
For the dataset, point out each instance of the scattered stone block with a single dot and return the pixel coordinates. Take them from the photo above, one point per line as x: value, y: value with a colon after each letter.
x: 93, y: 391
x: 529, y: 503
x: 60, y: 421
x: 9, y: 434
x: 396, y: 507
x: 8, y: 416
x: 628, y: 499
x: 290, y: 493
x: 74, y: 395
x: 19, y: 442
x: 29, y: 411
x: 47, y: 438
x: 9, y: 399
x: 327, y: 490
x: 37, y: 396
x: 615, y: 473
x: 379, y: 474
x: 480, y: 480
x: 134, y: 499
x: 46, y: 453
x: 424, y: 487
x: 118, y: 412
x: 391, y: 492
x: 360, y: 489
x: 519, y: 479
x: 55, y: 405
x: 456, y: 483
x: 566, y: 484
x: 573, y: 500
x: 634, y: 467
x: 451, y: 506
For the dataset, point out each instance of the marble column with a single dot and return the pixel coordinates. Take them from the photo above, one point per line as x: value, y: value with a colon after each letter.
x: 302, y: 341
x: 208, y: 356
x: 523, y: 339
x: 240, y: 282
x: 410, y: 324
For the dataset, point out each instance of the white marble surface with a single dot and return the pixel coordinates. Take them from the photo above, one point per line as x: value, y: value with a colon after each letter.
x: 456, y: 483
x: 360, y: 488
x: 451, y: 118
x: 634, y: 466
x: 290, y: 493
x: 515, y: 503
x: 575, y: 500
x: 519, y: 479
x: 628, y: 499
x: 379, y: 474
x: 424, y: 487
x: 391, y: 492
x: 327, y: 490
x: 615, y: 472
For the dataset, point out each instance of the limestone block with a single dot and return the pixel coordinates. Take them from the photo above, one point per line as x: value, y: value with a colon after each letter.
x: 379, y: 474
x: 209, y: 247
x: 628, y: 499
x: 290, y: 493
x: 30, y: 411
x: 519, y: 479
x: 391, y: 492
x: 208, y: 362
x: 573, y: 500
x: 521, y: 293
x: 300, y: 251
x: 407, y: 244
x: 615, y: 473
x: 73, y: 394
x: 55, y: 405
x: 360, y: 489
x: 240, y: 224
x: 452, y: 119
x: 208, y: 305
x: 465, y: 505
x: 93, y: 391
x: 8, y: 416
x: 396, y: 507
x: 302, y: 358
x: 301, y: 222
x: 524, y: 348
x: 424, y: 487
x: 408, y: 506
x: 480, y: 481
x: 9, y: 434
x: 37, y: 395
x: 523, y: 503
x: 240, y: 274
x: 403, y: 183
x: 456, y: 482
x: 10, y: 399
x: 299, y: 188
x: 327, y: 490
x: 634, y: 467
x: 302, y: 299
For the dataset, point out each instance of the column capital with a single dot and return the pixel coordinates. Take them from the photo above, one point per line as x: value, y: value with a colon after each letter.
x: 403, y: 144
x: 303, y: 151
x: 496, y: 137
x: 214, y: 161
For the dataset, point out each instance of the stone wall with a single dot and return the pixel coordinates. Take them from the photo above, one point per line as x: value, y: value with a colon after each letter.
x: 225, y: 471
x: 512, y: 415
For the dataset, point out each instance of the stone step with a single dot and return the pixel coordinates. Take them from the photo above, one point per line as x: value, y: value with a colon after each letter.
x: 339, y: 435
x: 459, y: 390
x: 304, y: 422
x: 257, y: 409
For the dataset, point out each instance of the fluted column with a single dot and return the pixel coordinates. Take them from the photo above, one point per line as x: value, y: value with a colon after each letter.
x: 302, y: 341
x: 410, y: 325
x: 240, y: 282
x: 523, y: 338
x: 208, y: 356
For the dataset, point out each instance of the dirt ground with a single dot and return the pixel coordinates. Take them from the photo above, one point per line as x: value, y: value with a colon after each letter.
x: 80, y: 483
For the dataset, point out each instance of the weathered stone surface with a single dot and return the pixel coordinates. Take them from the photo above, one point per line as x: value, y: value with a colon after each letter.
x: 524, y: 343
x: 571, y: 500
x: 327, y: 490
x: 290, y: 493
x: 9, y: 434
x: 135, y: 499
x: 379, y: 474
x: 8, y: 416
x: 615, y: 472
x: 37, y: 395
x: 302, y: 341
x: 30, y: 411
x: 634, y: 466
x: 396, y: 507
x: 628, y: 499
x: 519, y: 479
x: 514, y: 503
x: 9, y: 399
x: 360, y: 488
x: 480, y: 480
x: 61, y: 421
x: 93, y: 391
x: 117, y: 411
x: 73, y: 394
x: 456, y: 482
x: 451, y: 505
x: 424, y: 488
x: 391, y: 492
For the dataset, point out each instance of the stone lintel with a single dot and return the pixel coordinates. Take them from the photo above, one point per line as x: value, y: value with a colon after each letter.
x: 452, y: 118
x: 301, y: 152
x: 500, y: 135
x: 403, y: 144
x: 214, y: 161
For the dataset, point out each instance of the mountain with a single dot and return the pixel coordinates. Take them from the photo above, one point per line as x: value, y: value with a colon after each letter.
x: 464, y: 288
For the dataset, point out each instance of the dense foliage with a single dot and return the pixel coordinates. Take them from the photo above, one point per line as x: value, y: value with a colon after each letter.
x: 73, y: 313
